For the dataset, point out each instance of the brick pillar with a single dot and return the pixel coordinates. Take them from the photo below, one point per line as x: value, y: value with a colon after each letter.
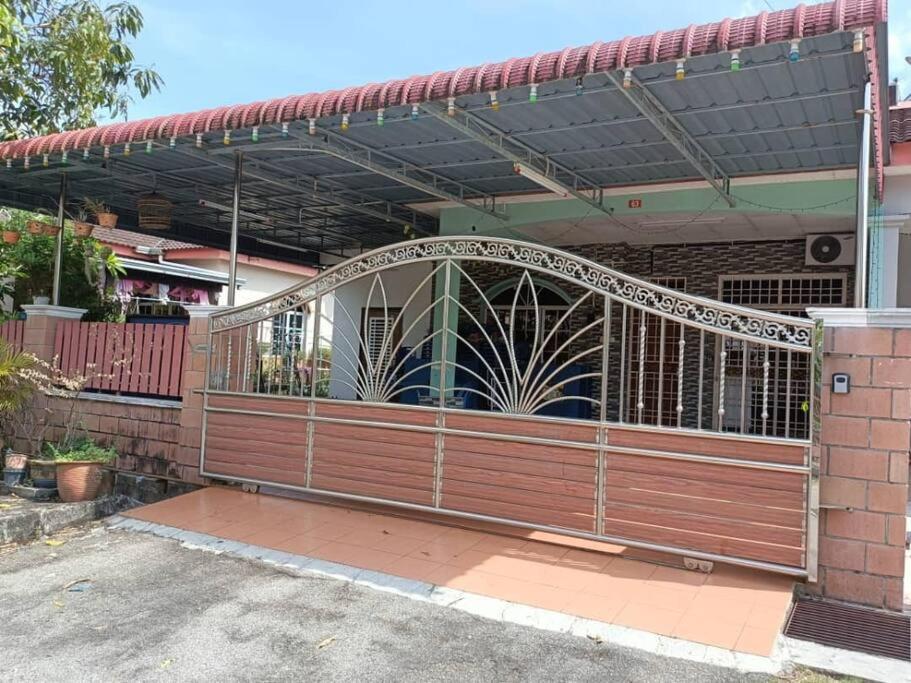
x: 865, y: 440
x: 41, y: 327
x: 194, y: 376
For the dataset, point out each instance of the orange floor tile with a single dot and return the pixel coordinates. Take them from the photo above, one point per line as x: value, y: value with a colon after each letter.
x: 732, y: 608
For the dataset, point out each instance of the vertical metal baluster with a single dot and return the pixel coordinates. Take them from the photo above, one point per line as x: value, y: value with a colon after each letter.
x: 622, y: 383
x: 723, y: 359
x: 259, y: 356
x: 682, y: 345
x: 640, y: 403
x: 246, y: 358
x: 701, y: 381
x: 787, y: 397
x: 602, y: 431
x: 315, y: 360
x: 441, y: 415
x: 744, y: 371
x: 230, y: 336
x: 218, y: 365
x: 314, y: 370
x: 271, y: 345
x: 765, y: 392
x: 661, y: 341
x: 302, y: 351
x: 282, y: 352
x: 776, y: 391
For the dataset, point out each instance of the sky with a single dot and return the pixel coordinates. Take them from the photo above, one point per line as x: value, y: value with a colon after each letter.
x: 233, y: 51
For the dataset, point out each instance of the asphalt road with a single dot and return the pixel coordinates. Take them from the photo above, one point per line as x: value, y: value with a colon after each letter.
x: 153, y: 610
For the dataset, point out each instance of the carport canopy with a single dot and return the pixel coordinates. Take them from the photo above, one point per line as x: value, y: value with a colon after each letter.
x: 346, y: 170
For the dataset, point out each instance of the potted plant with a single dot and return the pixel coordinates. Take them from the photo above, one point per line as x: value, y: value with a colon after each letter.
x: 16, y: 388
x: 42, y: 224
x: 11, y: 234
x: 81, y: 226
x: 102, y: 213
x: 79, y: 469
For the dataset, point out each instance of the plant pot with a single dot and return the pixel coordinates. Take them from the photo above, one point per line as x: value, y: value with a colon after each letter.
x: 50, y: 230
x: 78, y: 481
x: 106, y: 220
x: 43, y: 473
x: 15, y: 461
x: 35, y: 227
x: 13, y: 477
x: 11, y: 236
x: 82, y: 229
x: 41, y: 300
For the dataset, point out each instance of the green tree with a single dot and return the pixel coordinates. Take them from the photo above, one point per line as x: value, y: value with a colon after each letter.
x: 64, y: 61
x: 90, y: 271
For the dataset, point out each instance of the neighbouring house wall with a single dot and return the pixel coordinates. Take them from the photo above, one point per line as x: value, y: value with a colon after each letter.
x: 347, y: 311
x: 260, y: 282
x: 865, y: 439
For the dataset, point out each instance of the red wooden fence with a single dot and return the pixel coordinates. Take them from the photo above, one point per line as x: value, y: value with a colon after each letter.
x: 124, y: 358
x: 13, y: 331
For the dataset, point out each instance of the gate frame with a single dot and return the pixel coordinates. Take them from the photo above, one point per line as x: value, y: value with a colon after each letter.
x: 705, y: 314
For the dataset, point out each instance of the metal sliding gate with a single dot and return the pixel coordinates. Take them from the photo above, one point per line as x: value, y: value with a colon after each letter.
x: 512, y: 382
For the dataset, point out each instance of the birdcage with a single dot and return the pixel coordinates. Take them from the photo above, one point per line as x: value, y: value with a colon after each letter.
x: 154, y: 211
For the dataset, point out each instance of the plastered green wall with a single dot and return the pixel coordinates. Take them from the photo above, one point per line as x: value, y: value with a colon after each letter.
x: 821, y: 197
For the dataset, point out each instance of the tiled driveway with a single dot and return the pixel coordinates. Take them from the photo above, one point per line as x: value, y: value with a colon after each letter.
x: 732, y: 607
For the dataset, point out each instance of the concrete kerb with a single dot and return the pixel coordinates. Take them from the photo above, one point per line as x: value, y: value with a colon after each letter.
x: 479, y: 605
x: 42, y: 519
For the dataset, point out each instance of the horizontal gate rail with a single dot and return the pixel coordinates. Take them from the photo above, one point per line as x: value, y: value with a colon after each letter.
x: 400, y: 376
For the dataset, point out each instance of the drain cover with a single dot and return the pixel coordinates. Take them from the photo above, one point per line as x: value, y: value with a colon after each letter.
x: 851, y: 628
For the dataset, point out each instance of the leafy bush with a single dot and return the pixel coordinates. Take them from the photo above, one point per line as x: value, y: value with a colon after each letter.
x: 83, y: 451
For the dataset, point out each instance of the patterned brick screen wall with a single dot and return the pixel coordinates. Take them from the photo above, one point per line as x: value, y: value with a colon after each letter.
x: 866, y: 435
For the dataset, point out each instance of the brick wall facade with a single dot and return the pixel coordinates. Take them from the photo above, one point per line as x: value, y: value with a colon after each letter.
x: 146, y: 437
x: 865, y: 439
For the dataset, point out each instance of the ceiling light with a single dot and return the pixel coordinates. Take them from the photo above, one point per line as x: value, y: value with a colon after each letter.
x: 539, y: 179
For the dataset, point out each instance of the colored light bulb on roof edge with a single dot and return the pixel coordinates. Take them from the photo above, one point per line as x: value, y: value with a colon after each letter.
x: 494, y: 102
x: 345, y: 122
x: 627, y: 79
x: 450, y: 106
x: 533, y: 92
x: 45, y: 160
x: 285, y: 129
x: 148, y: 146
x: 858, y: 41
x: 26, y: 163
x: 254, y: 134
x: 226, y: 138
x: 172, y: 143
x: 311, y: 126
x: 126, y: 149
x: 199, y: 139
x: 107, y: 152
x: 85, y: 153
x: 9, y: 163
x: 794, y: 50
x: 580, y: 86
x: 680, y: 71
x: 64, y: 157
x: 380, y: 116
x: 735, y: 60
x: 415, y: 112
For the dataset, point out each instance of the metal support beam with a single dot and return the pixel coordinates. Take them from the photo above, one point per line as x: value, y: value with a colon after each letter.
x: 58, y: 244
x: 416, y: 177
x: 315, y: 192
x: 235, y: 226
x: 517, y: 152
x: 652, y: 109
x: 862, y: 241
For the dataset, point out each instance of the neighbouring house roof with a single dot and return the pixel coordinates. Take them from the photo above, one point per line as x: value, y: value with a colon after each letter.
x: 180, y: 270
x: 770, y: 116
x: 125, y: 238
x: 900, y: 123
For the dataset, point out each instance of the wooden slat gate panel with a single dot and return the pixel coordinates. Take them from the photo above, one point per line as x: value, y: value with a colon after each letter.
x: 13, y: 331
x: 707, y: 495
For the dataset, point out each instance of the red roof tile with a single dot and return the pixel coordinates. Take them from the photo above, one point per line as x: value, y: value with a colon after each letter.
x: 134, y: 239
x: 662, y: 46
x: 900, y: 123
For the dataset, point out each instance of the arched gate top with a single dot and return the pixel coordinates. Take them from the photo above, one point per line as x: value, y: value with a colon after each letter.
x: 734, y: 321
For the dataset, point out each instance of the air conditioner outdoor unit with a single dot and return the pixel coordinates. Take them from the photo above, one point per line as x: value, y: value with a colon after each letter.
x: 830, y: 250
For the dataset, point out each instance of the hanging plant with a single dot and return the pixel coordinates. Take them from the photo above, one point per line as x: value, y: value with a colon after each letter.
x: 41, y: 224
x: 81, y: 226
x: 11, y: 234
x: 103, y: 215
